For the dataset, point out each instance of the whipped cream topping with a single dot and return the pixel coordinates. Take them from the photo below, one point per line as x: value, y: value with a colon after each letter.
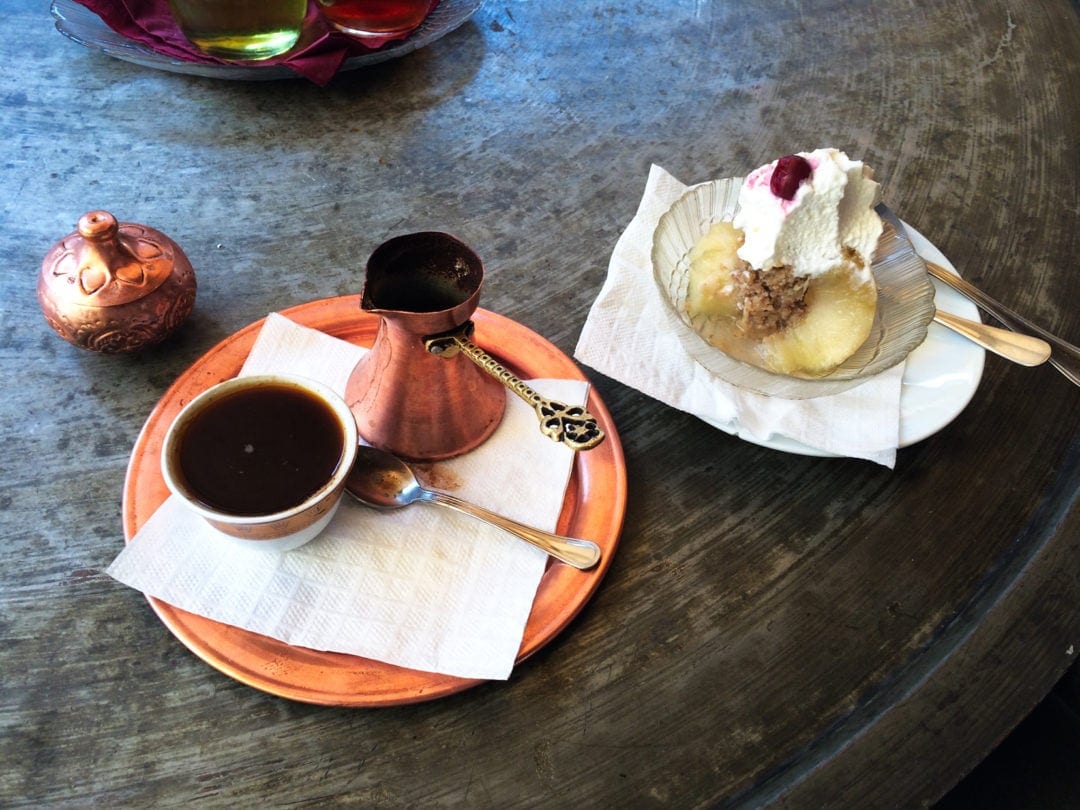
x: 832, y: 209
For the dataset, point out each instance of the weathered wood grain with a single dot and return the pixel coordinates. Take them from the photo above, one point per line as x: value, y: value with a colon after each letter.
x: 775, y: 628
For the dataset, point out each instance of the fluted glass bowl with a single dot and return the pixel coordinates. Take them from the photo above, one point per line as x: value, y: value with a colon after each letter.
x: 905, y: 305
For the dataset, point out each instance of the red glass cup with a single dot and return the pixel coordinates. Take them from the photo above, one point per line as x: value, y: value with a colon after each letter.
x: 375, y: 19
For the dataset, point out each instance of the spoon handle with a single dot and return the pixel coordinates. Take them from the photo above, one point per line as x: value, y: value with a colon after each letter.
x: 570, y: 424
x: 578, y: 553
x: 1064, y: 356
x: 1023, y: 349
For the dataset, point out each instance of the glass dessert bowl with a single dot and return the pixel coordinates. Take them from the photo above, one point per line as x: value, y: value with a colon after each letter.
x: 904, y: 306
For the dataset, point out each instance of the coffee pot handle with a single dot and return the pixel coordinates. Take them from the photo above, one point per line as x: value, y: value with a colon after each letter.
x: 570, y: 424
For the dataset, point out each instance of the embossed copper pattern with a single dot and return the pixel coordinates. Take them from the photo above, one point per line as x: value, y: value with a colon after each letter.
x: 115, y: 286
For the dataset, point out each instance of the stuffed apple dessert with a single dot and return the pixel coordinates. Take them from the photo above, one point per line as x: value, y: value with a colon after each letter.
x: 787, y: 283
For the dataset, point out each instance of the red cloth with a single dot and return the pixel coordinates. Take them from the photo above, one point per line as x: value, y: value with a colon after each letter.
x: 317, y: 56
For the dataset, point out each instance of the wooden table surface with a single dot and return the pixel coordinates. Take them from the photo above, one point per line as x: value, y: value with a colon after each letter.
x: 774, y: 627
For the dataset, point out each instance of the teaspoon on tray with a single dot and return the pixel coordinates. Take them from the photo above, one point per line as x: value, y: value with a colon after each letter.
x: 383, y: 481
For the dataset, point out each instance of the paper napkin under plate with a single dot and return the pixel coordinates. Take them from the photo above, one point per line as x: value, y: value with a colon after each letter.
x: 421, y: 587
x: 625, y: 337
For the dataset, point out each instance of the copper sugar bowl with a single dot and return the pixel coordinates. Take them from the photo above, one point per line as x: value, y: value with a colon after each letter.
x: 115, y: 286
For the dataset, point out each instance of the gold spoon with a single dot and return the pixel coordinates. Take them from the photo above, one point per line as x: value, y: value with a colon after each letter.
x: 571, y: 425
x: 1064, y: 356
x: 1022, y: 349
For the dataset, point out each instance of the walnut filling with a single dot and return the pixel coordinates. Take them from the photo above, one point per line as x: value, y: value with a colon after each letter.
x: 800, y: 325
x: 769, y: 300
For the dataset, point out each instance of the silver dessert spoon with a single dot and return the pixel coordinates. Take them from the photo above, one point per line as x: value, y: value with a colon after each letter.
x: 383, y: 481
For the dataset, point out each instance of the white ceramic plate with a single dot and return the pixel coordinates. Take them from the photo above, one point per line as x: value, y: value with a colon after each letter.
x: 904, y: 300
x: 940, y: 377
x: 80, y: 24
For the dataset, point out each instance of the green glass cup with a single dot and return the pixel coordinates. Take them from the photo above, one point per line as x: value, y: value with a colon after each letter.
x: 240, y: 30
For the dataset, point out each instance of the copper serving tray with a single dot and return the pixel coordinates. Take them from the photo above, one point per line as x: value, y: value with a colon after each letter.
x: 594, y: 507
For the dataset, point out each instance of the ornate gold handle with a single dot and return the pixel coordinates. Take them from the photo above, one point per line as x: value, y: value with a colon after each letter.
x: 570, y: 424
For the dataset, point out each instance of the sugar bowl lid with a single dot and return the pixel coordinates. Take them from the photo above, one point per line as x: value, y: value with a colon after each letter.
x: 115, y: 286
x: 106, y: 263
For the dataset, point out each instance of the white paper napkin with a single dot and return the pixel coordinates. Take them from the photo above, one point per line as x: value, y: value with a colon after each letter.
x: 422, y: 587
x: 625, y: 338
